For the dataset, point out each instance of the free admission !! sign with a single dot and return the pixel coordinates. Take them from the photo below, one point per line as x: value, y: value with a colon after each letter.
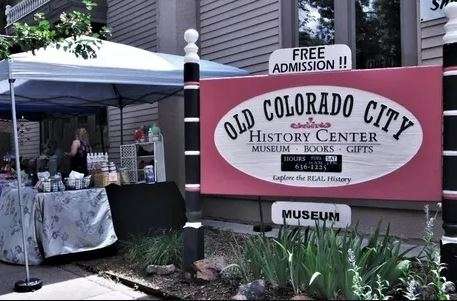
x: 310, y: 59
x: 372, y: 134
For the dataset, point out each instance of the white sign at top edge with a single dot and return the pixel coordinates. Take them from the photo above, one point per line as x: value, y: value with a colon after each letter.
x: 432, y: 9
x: 310, y: 59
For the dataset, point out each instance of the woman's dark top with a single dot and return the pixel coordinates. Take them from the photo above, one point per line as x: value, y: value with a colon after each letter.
x: 79, y: 161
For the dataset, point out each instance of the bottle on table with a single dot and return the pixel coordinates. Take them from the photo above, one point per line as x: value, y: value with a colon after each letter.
x: 149, y: 175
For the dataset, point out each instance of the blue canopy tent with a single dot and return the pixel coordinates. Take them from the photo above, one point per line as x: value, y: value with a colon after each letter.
x: 56, y: 82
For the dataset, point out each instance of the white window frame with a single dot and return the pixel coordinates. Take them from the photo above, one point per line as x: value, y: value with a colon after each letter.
x: 345, y: 27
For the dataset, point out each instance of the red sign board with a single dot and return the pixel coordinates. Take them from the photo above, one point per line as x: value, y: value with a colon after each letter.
x: 367, y: 134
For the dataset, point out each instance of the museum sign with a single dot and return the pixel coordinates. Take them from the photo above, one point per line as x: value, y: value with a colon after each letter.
x: 339, y: 134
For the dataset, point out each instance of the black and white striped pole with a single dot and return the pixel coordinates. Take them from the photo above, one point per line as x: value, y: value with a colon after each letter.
x: 193, y: 230
x: 449, y: 213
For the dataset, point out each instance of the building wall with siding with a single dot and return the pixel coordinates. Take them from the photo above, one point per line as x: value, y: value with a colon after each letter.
x: 29, y: 139
x: 133, y: 23
x: 175, y: 17
x: 241, y: 33
x: 431, y: 42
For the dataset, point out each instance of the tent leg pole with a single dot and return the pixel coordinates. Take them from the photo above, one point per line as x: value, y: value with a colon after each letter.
x: 193, y: 233
x: 18, y: 173
x: 122, y: 125
x: 29, y: 284
x: 102, y: 138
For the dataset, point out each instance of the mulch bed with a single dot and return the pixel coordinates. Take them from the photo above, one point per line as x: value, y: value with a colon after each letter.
x: 217, y: 243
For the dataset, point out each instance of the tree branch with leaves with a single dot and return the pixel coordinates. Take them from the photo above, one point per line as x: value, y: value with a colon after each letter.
x: 70, y: 33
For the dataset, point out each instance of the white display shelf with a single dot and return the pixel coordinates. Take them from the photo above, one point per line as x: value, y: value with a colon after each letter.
x: 130, y: 159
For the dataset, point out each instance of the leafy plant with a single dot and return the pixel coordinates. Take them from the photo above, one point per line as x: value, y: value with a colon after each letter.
x: 162, y: 249
x: 411, y: 288
x: 330, y: 264
x: 261, y: 257
x: 360, y: 290
x: 425, y: 280
x: 70, y: 33
x: 5, y: 45
x: 324, y: 262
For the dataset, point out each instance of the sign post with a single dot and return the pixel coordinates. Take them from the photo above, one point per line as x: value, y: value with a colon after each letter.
x: 193, y: 230
x: 449, y: 240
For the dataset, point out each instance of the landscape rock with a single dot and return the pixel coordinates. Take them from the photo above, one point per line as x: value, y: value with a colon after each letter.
x: 251, y: 291
x: 160, y: 269
x: 209, y: 269
x: 188, y: 276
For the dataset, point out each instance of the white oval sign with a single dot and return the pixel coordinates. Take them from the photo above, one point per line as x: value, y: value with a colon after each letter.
x: 318, y: 136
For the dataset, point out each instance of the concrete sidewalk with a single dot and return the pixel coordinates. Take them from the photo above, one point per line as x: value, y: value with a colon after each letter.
x: 66, y: 282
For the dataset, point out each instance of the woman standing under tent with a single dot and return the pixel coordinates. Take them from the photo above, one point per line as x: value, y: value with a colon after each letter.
x: 79, y: 150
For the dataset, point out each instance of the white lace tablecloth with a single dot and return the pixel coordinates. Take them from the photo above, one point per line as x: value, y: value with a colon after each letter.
x: 55, y: 223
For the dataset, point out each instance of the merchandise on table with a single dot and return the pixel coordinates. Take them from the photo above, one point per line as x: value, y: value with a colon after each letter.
x: 57, y: 183
x: 96, y: 160
x: 75, y: 181
x: 103, y: 179
x: 103, y: 172
x: 139, y: 135
x: 154, y: 133
x: 6, y: 164
x: 124, y: 176
x: 147, y: 134
x: 149, y: 175
x: 45, y: 185
x: 77, y: 184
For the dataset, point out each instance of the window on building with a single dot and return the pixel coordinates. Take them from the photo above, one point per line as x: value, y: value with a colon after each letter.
x: 316, y: 22
x: 372, y: 28
x: 378, y: 34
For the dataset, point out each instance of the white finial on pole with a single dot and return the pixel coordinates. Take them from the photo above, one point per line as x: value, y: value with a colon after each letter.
x: 7, y: 14
x: 451, y: 25
x: 191, y: 37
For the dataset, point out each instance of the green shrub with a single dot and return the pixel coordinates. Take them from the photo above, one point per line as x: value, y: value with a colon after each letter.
x: 162, y: 249
x: 324, y: 262
x: 425, y: 280
x: 69, y: 34
x: 327, y: 264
